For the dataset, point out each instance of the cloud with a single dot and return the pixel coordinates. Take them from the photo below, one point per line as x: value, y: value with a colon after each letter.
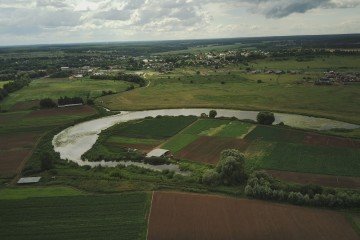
x: 146, y: 19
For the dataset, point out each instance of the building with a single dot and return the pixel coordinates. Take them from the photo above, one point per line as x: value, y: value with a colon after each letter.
x: 65, y: 68
x: 28, y: 180
x: 158, y: 152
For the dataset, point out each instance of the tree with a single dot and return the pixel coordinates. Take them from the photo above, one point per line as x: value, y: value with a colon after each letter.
x: 46, y: 162
x: 210, y: 177
x: 212, y: 114
x: 47, y: 103
x: 266, y: 118
x: 231, y: 167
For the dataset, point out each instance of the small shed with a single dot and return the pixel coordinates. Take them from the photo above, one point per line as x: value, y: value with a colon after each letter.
x: 157, y: 152
x: 27, y: 180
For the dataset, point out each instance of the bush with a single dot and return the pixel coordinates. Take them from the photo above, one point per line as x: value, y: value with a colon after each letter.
x: 210, y: 177
x: 266, y: 118
x: 261, y: 185
x: 47, y: 103
x: 90, y: 102
x: 212, y: 114
x: 46, y: 162
x: 70, y: 100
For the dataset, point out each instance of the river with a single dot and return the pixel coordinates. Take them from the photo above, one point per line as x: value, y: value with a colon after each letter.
x: 74, y: 141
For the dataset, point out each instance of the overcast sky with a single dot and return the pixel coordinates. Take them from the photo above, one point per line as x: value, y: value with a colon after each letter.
x: 69, y: 21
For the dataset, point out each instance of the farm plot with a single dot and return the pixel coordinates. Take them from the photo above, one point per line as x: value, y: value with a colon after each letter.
x: 207, y: 149
x: 314, y: 159
x: 317, y: 179
x: 154, y: 128
x: 20, y: 131
x: 275, y: 134
x: 207, y: 127
x: 76, y: 217
x: 14, y: 148
x: 30, y: 192
x: 214, y: 217
x: 144, y: 145
x: 330, y: 141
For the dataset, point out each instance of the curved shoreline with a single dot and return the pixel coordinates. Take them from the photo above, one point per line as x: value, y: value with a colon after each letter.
x: 74, y: 141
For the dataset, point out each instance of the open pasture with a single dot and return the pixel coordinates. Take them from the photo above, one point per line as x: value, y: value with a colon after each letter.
x: 214, y: 217
x: 207, y: 149
x: 231, y: 87
x: 76, y: 217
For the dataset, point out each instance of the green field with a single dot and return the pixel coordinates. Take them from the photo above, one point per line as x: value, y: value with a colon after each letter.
x: 268, y: 133
x: 207, y: 127
x: 314, y: 159
x: 235, y: 129
x: 30, y: 192
x: 24, y: 121
x: 202, y: 126
x: 179, y: 141
x: 184, y: 88
x: 127, y: 140
x: 77, y: 217
x: 56, y: 88
x: 155, y: 128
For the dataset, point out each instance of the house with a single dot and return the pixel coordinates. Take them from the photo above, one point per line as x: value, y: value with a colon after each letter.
x: 158, y: 152
x: 65, y: 68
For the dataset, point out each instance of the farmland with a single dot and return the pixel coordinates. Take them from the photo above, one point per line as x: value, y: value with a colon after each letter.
x: 76, y: 217
x: 183, y: 88
x: 31, y: 192
x: 56, y: 88
x: 305, y: 152
x: 97, y: 183
x: 26, y: 128
x: 226, y: 218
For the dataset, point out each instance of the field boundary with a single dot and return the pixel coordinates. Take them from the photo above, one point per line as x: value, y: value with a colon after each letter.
x: 148, y: 221
x: 162, y: 144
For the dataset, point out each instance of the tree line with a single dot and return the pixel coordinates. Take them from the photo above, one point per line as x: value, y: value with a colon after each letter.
x: 122, y: 77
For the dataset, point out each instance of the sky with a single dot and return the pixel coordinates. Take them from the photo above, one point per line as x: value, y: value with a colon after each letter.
x: 24, y: 22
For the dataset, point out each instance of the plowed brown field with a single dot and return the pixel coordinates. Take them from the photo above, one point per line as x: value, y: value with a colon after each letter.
x: 10, y: 161
x: 318, y: 179
x: 193, y: 216
x: 330, y: 141
x: 207, y: 149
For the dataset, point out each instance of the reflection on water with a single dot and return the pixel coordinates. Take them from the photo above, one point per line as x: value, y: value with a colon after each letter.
x: 74, y: 141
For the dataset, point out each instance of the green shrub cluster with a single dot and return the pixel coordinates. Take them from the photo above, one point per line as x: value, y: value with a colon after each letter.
x: 262, y: 186
x: 228, y: 171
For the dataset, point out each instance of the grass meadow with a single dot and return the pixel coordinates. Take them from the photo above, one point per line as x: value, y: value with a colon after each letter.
x: 56, y: 88
x: 230, y: 87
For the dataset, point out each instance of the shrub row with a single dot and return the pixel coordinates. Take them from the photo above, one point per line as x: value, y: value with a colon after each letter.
x: 262, y: 186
